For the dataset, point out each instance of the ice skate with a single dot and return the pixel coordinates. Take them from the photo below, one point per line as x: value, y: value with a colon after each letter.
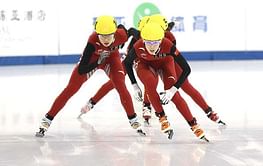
x: 146, y: 114
x: 87, y: 107
x: 165, y: 127
x: 44, y: 125
x: 199, y: 133
x: 137, y: 126
x: 214, y: 117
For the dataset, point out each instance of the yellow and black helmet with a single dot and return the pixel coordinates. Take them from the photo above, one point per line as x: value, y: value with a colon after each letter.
x: 142, y: 22
x: 159, y: 19
x: 105, y: 25
x: 152, y: 32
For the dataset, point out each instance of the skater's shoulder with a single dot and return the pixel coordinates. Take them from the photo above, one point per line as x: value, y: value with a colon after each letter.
x: 93, y: 38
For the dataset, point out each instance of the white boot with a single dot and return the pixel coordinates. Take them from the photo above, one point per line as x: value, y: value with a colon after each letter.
x: 44, y: 125
x: 137, y: 126
x: 146, y: 112
x: 134, y: 123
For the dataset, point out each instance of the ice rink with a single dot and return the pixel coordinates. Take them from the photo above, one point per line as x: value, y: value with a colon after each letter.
x: 103, y: 137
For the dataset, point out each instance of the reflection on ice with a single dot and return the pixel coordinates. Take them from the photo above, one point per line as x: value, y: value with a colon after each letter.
x: 103, y: 136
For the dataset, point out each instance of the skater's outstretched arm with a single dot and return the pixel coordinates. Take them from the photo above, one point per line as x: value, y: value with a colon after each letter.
x: 186, y: 70
x: 180, y: 60
x: 128, y: 63
x: 84, y: 65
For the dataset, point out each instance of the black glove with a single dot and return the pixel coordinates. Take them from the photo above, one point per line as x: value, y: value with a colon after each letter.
x: 134, y: 32
x: 120, y: 26
x: 170, y: 26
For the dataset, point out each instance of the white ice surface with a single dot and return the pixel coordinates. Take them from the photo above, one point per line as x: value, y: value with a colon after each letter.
x: 104, y: 138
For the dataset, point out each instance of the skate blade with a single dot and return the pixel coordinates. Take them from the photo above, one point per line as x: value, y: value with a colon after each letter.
x: 170, y: 133
x: 221, y: 122
x: 141, y: 133
x: 204, y: 138
x: 147, y: 123
x: 38, y: 134
x: 222, y: 127
x: 79, y: 117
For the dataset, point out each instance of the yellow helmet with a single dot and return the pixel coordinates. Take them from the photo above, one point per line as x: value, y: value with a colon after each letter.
x: 159, y: 19
x: 142, y: 22
x: 152, y: 32
x: 105, y: 25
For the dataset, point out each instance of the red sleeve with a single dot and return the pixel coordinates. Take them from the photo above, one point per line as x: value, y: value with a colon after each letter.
x: 138, y: 44
x: 166, y: 46
x: 93, y: 38
x: 120, y: 37
x: 169, y: 35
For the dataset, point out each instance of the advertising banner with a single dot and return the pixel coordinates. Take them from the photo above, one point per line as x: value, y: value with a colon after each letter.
x: 46, y: 27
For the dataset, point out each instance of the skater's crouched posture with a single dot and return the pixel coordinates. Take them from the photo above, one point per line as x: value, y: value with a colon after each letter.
x: 186, y: 86
x: 101, y: 52
x: 155, y: 55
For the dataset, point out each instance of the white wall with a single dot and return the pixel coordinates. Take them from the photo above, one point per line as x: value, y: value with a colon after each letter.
x: 62, y: 27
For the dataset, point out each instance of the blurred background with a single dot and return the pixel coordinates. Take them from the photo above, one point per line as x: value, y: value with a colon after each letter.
x: 56, y: 31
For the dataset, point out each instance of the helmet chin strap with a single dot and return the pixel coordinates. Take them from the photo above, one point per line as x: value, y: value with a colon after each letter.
x: 157, y: 51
